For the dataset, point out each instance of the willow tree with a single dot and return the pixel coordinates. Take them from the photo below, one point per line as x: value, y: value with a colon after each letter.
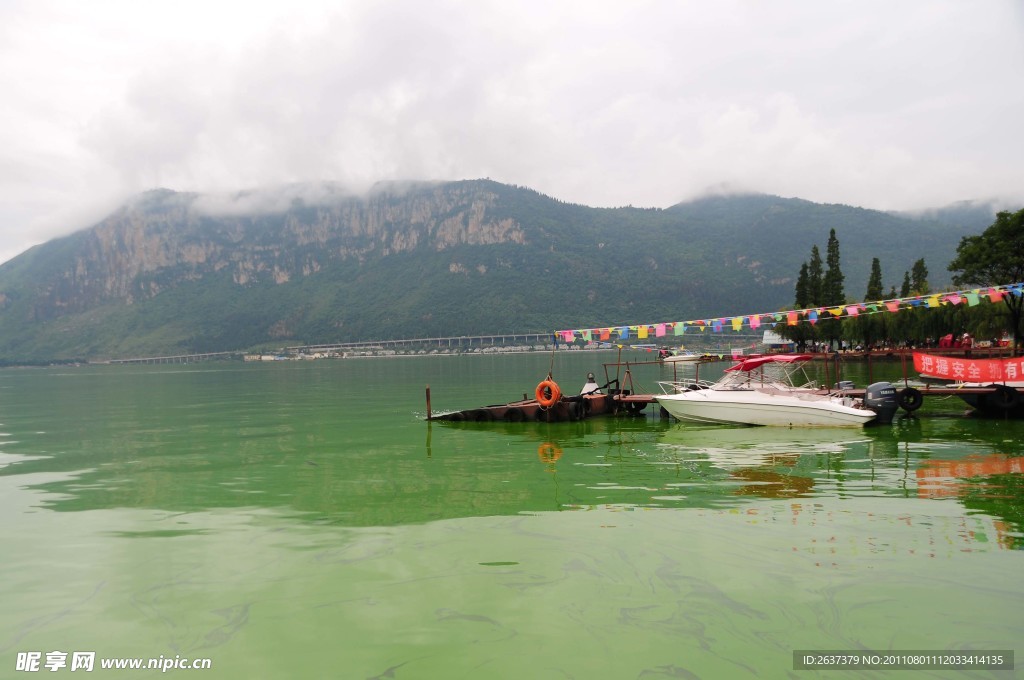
x: 995, y: 258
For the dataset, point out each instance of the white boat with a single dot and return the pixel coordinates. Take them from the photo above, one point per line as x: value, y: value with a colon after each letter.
x: 761, y: 391
x: 685, y: 357
x: 676, y: 356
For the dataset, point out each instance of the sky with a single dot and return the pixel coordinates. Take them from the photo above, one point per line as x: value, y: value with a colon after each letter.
x: 887, y: 105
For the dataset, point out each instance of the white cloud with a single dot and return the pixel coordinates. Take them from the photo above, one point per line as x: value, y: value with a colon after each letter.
x: 880, y: 104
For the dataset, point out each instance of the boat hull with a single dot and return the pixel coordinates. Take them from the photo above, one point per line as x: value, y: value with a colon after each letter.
x: 566, y: 409
x: 752, y: 407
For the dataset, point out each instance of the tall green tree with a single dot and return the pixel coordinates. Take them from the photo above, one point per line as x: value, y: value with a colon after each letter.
x: 923, y: 323
x: 905, y: 288
x: 919, y: 278
x: 815, y: 274
x: 832, y: 287
x: 871, y: 327
x: 802, y: 301
x: 802, y: 332
x: 832, y: 284
x: 874, y: 291
x: 993, y: 258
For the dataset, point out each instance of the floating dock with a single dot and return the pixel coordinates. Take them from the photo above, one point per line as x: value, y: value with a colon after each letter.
x: 994, y: 399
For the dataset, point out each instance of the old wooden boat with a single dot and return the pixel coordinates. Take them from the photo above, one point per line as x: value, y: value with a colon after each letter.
x: 550, y: 405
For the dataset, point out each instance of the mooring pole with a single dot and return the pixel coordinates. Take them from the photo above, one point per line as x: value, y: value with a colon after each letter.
x: 428, y: 402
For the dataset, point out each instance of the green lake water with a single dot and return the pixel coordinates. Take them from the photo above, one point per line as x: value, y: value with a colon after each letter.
x: 302, y: 520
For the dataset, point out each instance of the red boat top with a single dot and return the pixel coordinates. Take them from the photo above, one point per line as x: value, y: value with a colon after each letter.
x: 751, y: 363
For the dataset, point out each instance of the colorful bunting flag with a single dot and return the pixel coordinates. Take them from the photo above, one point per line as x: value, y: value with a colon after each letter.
x: 970, y: 297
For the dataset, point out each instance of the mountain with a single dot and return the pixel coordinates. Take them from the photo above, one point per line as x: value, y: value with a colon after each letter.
x: 972, y: 215
x: 172, y: 273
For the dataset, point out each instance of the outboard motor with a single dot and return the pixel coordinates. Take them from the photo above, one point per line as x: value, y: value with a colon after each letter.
x: 881, y: 398
x: 845, y: 385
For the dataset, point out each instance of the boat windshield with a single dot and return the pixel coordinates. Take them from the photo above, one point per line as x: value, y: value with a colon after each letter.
x: 785, y: 373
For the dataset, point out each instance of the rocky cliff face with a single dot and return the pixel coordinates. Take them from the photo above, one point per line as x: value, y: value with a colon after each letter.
x: 174, y: 273
x: 164, y: 238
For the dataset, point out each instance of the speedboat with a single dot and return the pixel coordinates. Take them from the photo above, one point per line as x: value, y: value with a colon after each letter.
x: 762, y: 391
x: 683, y: 356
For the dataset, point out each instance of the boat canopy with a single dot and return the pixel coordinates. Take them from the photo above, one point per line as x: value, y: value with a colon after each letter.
x: 757, y: 362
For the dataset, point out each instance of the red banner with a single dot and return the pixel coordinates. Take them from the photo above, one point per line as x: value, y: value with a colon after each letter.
x: 965, y: 369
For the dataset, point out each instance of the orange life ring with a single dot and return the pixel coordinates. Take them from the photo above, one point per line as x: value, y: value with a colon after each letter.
x: 548, y: 393
x: 548, y: 452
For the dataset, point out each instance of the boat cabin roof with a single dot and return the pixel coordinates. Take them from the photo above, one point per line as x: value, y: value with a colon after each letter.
x: 753, y: 363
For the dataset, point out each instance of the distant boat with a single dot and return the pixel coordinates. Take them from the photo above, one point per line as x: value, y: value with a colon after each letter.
x: 761, y: 391
x: 682, y: 357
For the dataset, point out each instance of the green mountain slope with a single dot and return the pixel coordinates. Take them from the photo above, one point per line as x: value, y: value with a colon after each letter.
x: 178, y: 273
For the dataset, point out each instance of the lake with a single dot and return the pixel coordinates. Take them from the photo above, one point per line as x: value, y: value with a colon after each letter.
x: 302, y: 519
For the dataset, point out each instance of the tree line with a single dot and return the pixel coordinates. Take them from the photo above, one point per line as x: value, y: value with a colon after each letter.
x: 994, y: 257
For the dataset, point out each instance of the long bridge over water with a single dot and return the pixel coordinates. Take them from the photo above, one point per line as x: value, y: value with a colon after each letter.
x: 454, y: 342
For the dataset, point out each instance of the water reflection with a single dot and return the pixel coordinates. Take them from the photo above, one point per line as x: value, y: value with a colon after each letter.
x: 250, y: 515
x: 300, y: 461
x: 647, y: 464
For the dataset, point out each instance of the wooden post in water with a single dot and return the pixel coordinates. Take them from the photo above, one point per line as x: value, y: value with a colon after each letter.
x: 428, y: 402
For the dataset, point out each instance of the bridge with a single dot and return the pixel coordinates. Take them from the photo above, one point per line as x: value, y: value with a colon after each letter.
x: 452, y: 342
x: 177, y: 358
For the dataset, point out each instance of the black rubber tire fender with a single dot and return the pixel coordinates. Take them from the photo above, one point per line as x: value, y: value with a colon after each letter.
x: 515, y: 415
x: 1004, y: 398
x: 910, y: 399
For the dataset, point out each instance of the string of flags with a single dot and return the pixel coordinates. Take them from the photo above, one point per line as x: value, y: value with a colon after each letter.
x: 812, y: 315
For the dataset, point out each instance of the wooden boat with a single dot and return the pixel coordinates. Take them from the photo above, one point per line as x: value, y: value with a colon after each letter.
x: 549, y: 405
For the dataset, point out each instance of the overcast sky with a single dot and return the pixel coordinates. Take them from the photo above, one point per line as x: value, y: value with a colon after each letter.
x: 881, y: 104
